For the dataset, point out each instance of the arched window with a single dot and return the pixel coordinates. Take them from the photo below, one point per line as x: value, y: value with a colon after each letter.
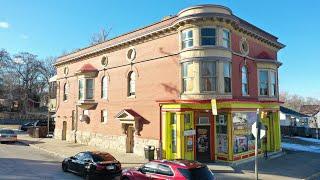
x: 244, y: 74
x: 131, y: 83
x: 65, y: 91
x: 104, y: 87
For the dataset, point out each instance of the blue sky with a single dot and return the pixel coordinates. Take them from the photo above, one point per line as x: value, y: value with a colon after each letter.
x: 49, y: 27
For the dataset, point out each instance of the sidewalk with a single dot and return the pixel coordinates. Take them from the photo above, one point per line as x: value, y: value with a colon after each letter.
x: 63, y: 149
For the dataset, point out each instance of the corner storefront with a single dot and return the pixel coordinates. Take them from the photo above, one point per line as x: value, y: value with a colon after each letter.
x: 190, y: 131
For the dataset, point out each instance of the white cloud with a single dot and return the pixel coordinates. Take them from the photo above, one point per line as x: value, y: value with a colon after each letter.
x: 4, y: 25
x: 23, y: 36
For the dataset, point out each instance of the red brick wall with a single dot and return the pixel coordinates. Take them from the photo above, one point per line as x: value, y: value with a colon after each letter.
x: 156, y: 79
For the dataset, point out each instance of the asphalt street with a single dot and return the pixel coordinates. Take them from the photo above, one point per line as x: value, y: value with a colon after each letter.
x: 18, y: 161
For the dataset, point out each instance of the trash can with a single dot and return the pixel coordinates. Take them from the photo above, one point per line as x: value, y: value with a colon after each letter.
x: 149, y: 152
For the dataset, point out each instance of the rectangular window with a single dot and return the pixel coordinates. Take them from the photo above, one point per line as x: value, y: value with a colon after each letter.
x: 263, y: 82
x: 187, y: 118
x: 203, y: 121
x: 208, y: 76
x: 188, y: 76
x: 227, y: 76
x: 273, y: 79
x: 89, y: 88
x: 226, y: 38
x: 187, y: 38
x: 104, y: 116
x: 222, y: 133
x: 244, y: 80
x: 208, y: 36
x: 81, y: 89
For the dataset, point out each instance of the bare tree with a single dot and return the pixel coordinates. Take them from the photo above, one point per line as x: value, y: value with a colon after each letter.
x: 100, y: 36
x: 294, y: 101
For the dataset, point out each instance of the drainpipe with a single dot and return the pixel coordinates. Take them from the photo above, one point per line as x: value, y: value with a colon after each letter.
x: 76, y: 125
x: 160, y: 143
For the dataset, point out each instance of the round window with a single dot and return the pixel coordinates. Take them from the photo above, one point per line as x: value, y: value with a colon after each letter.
x: 104, y: 61
x: 244, y: 46
x: 131, y: 54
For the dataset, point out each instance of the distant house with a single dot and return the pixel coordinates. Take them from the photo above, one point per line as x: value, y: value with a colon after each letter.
x: 314, y: 112
x: 289, y: 117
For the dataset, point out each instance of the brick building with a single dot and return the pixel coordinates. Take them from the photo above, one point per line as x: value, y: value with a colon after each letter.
x: 157, y: 85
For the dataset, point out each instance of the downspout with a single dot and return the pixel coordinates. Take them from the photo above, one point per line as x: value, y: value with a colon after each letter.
x: 160, y: 143
x: 76, y: 125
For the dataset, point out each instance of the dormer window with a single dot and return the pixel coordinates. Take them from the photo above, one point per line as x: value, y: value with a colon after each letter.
x: 208, y: 36
x: 187, y: 38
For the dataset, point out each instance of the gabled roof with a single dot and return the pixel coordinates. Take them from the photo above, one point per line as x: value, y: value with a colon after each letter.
x: 310, y: 110
x: 127, y: 114
x: 292, y: 112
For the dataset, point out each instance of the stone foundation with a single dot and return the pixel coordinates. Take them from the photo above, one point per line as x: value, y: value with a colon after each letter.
x: 101, y: 141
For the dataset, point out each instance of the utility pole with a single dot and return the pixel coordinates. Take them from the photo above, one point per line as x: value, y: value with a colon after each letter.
x: 257, y: 135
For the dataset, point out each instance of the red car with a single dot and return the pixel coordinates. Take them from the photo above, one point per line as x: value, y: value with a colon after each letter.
x: 165, y: 169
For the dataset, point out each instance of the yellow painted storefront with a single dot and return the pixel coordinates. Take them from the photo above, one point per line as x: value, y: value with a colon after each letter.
x: 189, y: 130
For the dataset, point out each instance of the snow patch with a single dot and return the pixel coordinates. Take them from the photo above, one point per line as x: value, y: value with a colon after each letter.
x: 299, y: 147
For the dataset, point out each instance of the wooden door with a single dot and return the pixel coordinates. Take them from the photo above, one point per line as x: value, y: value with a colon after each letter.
x: 129, y: 140
x: 64, y: 130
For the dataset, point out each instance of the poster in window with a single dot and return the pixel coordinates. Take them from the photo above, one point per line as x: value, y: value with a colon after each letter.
x: 189, y: 143
x: 222, y: 143
x: 202, y: 140
x: 240, y: 144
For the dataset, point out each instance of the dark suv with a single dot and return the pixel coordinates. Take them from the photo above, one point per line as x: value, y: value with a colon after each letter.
x: 41, y: 123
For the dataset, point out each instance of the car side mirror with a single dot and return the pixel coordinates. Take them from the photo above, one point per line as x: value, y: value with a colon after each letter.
x: 73, y: 158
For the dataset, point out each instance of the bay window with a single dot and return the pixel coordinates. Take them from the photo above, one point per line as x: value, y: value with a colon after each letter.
x: 226, y: 38
x: 227, y: 76
x: 244, y: 80
x: 187, y: 76
x: 208, y: 76
x: 208, y: 36
x: 273, y: 79
x: 86, y: 89
x: 187, y: 38
x: 263, y: 83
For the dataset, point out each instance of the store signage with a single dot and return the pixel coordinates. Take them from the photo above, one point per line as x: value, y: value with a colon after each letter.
x: 214, y: 106
x: 189, y: 132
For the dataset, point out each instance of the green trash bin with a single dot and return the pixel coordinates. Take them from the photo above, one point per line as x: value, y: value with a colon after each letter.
x: 149, y: 152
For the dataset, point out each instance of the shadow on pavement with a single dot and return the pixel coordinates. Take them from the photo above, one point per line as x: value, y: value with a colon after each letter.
x: 293, y: 165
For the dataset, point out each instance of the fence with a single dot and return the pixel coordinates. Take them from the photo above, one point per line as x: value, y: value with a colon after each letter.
x: 299, y: 131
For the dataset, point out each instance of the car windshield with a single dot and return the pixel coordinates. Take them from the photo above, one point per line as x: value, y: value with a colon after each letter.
x: 6, y: 131
x: 195, y: 173
x: 100, y: 157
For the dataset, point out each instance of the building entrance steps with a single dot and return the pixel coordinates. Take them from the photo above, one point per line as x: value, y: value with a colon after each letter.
x: 63, y: 149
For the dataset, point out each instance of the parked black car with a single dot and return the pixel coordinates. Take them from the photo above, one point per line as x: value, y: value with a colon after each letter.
x: 93, y: 165
x: 25, y: 126
x: 45, y: 123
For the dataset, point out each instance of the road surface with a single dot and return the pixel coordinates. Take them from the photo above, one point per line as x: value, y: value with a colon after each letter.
x: 18, y: 161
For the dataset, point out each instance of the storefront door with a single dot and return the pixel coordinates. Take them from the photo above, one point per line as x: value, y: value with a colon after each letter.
x: 203, y: 143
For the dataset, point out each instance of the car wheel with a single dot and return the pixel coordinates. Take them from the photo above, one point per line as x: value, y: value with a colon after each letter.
x: 64, y: 167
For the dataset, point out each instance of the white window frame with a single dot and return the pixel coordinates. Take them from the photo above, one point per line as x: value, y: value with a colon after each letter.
x: 215, y: 76
x: 104, y: 87
x: 215, y: 36
x: 187, y: 77
x: 66, y: 90
x: 224, y: 39
x: 85, y: 95
x: 230, y: 76
x: 247, y: 80
x: 269, y: 82
x: 129, y: 79
x: 187, y: 38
